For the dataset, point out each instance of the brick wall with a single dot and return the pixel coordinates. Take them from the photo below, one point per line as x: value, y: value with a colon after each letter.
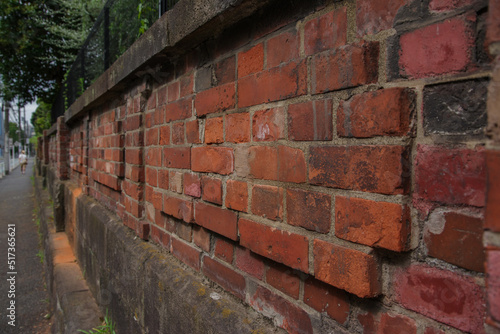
x: 323, y: 162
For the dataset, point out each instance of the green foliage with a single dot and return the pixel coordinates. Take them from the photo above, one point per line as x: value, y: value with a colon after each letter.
x: 108, y: 327
x: 13, y: 131
x: 41, y: 117
x: 41, y: 256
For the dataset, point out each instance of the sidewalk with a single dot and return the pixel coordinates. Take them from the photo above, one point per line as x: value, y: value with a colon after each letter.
x: 29, y: 294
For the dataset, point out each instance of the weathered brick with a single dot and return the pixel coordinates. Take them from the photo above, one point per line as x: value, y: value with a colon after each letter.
x: 395, y: 324
x: 284, y: 313
x: 165, y: 135
x: 211, y: 190
x: 249, y: 262
x: 224, y: 250
x: 345, y: 67
x: 153, y: 156
x: 366, y: 168
x: 446, y: 5
x: 326, y: 32
x: 263, y: 162
x: 268, y: 124
x: 163, y: 179
x: 184, y: 231
x: 282, y: 48
x: 214, y: 130
x: 215, y: 99
x: 375, y: 16
x: 216, y: 219
x: 238, y: 128
x: 279, y: 245
x: 237, y: 195
x: 225, y: 70
x: 178, y: 110
x: 325, y: 298
x: 178, y: 208
x: 347, y: 269
x: 173, y: 92
x: 152, y: 136
x: 201, y: 237
x: 218, y: 160
x: 458, y: 108
x: 175, y: 181
x: 267, y: 201
x: 453, y: 176
x: 152, y: 177
x: 310, y: 120
x: 292, y: 165
x: 376, y: 224
x: 225, y: 277
x: 193, y: 132
x: 177, y: 157
x: 192, y: 185
x: 441, y: 48
x: 310, y: 210
x: 493, y: 30
x: 133, y: 156
x: 178, y: 133
x: 186, y: 253
x: 278, y: 83
x: 492, y: 216
x: 493, y: 282
x: 445, y: 296
x: 251, y: 61
x: 385, y: 112
x: 457, y: 238
x: 283, y: 279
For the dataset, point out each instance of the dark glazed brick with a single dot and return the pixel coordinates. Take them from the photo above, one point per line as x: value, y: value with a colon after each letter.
x: 456, y: 109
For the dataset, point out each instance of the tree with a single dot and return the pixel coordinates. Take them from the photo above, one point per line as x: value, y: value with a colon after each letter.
x: 41, y: 117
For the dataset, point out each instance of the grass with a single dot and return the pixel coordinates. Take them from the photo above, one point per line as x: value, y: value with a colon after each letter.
x: 41, y: 256
x: 108, y: 327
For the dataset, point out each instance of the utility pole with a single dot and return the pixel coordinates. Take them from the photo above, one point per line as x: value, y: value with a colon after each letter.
x: 6, y: 155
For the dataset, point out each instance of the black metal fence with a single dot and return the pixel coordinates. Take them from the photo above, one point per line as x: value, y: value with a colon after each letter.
x: 118, y: 25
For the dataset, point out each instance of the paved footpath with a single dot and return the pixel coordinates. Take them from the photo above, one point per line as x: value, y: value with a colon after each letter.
x: 26, y: 285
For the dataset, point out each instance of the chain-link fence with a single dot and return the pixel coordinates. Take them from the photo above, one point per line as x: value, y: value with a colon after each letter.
x: 118, y: 25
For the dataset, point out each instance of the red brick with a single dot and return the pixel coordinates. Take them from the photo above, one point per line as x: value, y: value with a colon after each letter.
x: 385, y: 112
x: 493, y: 24
x: 216, y: 99
x: 201, y: 238
x: 446, y: 5
x: 192, y: 185
x: 178, y: 110
x: 445, y: 296
x: 133, y: 123
x: 152, y: 136
x: 165, y: 135
x: 292, y: 165
x: 395, y: 324
x: 225, y: 70
x: 251, y: 61
x: 225, y: 277
x: 431, y: 330
x: 237, y: 195
x: 453, y: 176
x: 238, y: 128
x: 133, y: 173
x: 153, y: 156
x: 133, y: 156
x: 279, y: 245
x: 214, y: 130
x: 178, y: 208
x: 249, y: 262
x: 375, y: 16
x: 224, y: 250
x: 456, y: 238
x: 493, y: 283
x: 186, y: 85
x: 376, y: 224
x: 377, y: 169
x: 278, y: 83
x: 282, y: 48
x: 142, y: 230
x: 186, y: 253
x: 132, y: 139
x: 310, y: 210
x: 326, y: 32
x: 347, y: 269
x: 218, y: 160
x: 284, y: 313
x: 178, y: 133
x: 441, y: 48
x: 177, y: 157
x: 345, y: 67
x: 211, y: 190
x: 163, y: 179
x: 184, y: 231
x: 325, y: 298
x: 263, y: 162
x: 368, y: 323
x: 221, y: 221
x: 310, y: 120
x: 283, y: 279
x: 267, y: 201
x: 173, y: 91
x: 492, y: 217
x: 193, y: 132
x: 268, y: 124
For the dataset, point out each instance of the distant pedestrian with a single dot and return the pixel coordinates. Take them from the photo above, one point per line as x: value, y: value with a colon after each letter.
x: 23, y: 161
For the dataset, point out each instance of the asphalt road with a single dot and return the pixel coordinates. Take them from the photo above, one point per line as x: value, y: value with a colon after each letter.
x: 23, y: 294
